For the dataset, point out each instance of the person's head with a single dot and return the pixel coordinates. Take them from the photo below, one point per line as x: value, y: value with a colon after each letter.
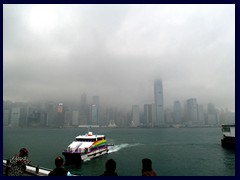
x: 59, y: 161
x: 23, y: 152
x: 146, y: 164
x: 110, y: 165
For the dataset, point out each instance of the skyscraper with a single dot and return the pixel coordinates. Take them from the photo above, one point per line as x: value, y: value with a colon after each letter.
x: 158, y: 98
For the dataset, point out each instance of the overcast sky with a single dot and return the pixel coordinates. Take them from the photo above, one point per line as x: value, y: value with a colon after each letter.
x: 58, y: 52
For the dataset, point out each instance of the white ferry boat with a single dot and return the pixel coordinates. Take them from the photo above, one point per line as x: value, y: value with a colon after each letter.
x: 228, y: 140
x: 85, y: 147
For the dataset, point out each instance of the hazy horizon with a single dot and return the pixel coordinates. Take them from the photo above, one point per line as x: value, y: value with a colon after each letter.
x: 57, y: 52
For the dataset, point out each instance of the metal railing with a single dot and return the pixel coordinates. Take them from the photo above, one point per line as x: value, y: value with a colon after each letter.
x: 31, y: 170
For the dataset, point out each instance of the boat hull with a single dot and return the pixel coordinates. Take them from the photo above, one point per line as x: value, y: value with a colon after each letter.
x: 77, y: 158
x: 72, y: 158
x: 228, y: 143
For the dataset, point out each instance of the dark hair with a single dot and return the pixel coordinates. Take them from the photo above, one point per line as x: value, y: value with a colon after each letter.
x: 23, y: 152
x: 146, y: 164
x: 110, y: 165
x: 59, y: 161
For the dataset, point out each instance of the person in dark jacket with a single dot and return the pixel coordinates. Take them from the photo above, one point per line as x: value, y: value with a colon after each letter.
x: 147, y: 168
x: 59, y: 170
x: 110, y: 168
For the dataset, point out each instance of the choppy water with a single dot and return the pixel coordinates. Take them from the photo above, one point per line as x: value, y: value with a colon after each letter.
x: 174, y: 151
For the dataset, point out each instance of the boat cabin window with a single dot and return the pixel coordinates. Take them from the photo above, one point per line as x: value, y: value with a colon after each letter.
x: 226, y: 129
x: 85, y: 140
x: 100, y: 138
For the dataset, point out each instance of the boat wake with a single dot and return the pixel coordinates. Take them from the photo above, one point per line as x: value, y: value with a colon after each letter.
x: 116, y: 148
x: 87, y: 159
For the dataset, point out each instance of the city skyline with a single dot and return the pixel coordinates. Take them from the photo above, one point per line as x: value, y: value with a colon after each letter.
x: 90, y: 100
x: 89, y: 103
x: 47, y: 114
x: 117, y: 51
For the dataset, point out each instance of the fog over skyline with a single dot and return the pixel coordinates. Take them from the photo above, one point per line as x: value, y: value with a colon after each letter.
x: 58, y: 52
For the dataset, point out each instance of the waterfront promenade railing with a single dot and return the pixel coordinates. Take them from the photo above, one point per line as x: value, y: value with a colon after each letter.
x: 31, y: 170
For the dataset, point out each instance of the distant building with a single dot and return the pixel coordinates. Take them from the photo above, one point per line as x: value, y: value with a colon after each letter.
x: 34, y: 117
x: 75, y: 118
x: 200, y: 111
x: 226, y: 117
x: 60, y: 115
x: 112, y: 124
x: 212, y: 115
x: 135, y: 116
x: 15, y: 117
x: 68, y: 117
x: 191, y: 112
x: 50, y: 110
x: 158, y: 99
x: 95, y: 110
x: 211, y: 108
x: 149, y: 117
x: 93, y: 115
x: 6, y: 117
x: 177, y: 112
x: 7, y: 107
x: 84, y: 110
x: 18, y: 116
x: 111, y: 115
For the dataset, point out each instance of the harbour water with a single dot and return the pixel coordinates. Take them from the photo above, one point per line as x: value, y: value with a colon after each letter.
x: 174, y: 151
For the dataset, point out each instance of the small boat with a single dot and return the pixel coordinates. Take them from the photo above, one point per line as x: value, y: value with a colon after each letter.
x: 85, y: 147
x: 228, y: 140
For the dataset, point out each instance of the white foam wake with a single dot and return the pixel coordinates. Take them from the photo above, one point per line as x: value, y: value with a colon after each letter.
x: 87, y: 159
x: 116, y: 148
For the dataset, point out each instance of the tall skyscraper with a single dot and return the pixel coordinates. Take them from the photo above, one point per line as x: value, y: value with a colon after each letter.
x: 158, y: 98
